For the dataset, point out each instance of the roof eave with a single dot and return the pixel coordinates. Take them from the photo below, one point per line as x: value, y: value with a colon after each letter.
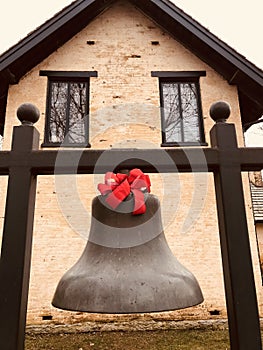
x: 50, y: 36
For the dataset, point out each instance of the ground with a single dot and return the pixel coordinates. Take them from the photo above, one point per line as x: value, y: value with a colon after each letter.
x: 147, y: 340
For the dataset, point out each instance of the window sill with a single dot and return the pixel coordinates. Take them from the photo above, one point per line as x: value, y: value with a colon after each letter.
x: 66, y: 145
x: 184, y: 144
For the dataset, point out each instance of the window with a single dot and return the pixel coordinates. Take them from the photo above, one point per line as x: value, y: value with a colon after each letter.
x: 181, y: 113
x: 67, y: 121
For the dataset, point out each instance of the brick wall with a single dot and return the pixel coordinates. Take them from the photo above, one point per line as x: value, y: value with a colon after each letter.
x: 124, y: 112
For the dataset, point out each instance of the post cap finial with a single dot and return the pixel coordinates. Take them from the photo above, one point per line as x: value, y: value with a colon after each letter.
x: 28, y: 114
x: 220, y: 111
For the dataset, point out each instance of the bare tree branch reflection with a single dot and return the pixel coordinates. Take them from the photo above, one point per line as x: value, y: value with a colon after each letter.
x: 181, y: 112
x: 68, y: 112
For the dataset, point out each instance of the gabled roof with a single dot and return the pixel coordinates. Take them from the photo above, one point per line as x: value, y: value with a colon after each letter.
x: 235, y: 68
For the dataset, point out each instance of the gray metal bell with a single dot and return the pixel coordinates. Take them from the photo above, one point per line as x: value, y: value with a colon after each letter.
x: 127, y: 265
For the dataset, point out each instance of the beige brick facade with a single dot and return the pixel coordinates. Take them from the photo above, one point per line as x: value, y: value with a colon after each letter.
x: 124, y: 112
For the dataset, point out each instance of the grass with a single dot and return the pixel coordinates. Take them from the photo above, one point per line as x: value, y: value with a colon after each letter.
x: 147, y: 340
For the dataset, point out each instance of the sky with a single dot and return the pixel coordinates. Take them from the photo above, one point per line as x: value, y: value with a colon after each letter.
x: 238, y: 23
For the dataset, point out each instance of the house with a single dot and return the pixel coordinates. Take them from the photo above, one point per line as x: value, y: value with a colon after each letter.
x: 121, y: 74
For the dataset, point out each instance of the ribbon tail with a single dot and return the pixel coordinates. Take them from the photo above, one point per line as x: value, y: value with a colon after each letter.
x: 139, y: 203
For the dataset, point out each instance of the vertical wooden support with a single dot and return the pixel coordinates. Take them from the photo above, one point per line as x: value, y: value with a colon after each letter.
x: 239, y: 282
x: 17, y: 240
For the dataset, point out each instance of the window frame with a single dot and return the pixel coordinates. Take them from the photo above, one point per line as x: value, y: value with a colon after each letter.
x: 68, y: 77
x: 181, y: 78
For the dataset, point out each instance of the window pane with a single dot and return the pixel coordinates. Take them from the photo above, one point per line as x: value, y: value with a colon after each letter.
x: 77, y: 113
x: 58, y: 108
x: 180, y: 112
x: 190, y: 112
x: 171, y: 112
x: 67, y: 113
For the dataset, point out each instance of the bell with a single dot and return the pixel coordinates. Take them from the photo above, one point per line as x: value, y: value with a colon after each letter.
x: 127, y: 265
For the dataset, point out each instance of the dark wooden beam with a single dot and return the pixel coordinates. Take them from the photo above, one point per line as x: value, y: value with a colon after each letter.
x: 45, y: 162
x: 17, y: 243
x: 243, y: 317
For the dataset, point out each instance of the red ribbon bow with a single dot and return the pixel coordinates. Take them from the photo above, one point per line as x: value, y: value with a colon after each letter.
x: 119, y: 186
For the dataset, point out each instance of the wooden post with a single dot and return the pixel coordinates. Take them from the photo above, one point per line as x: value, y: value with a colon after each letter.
x: 17, y: 234
x: 243, y: 317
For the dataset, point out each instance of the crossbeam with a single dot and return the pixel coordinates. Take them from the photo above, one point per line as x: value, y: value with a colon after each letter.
x: 48, y: 162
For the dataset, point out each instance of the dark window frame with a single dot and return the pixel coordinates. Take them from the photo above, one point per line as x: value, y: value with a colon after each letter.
x: 181, y: 77
x: 68, y: 77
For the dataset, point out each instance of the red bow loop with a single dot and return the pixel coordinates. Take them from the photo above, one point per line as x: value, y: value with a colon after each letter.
x: 111, y: 181
x: 119, y: 186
